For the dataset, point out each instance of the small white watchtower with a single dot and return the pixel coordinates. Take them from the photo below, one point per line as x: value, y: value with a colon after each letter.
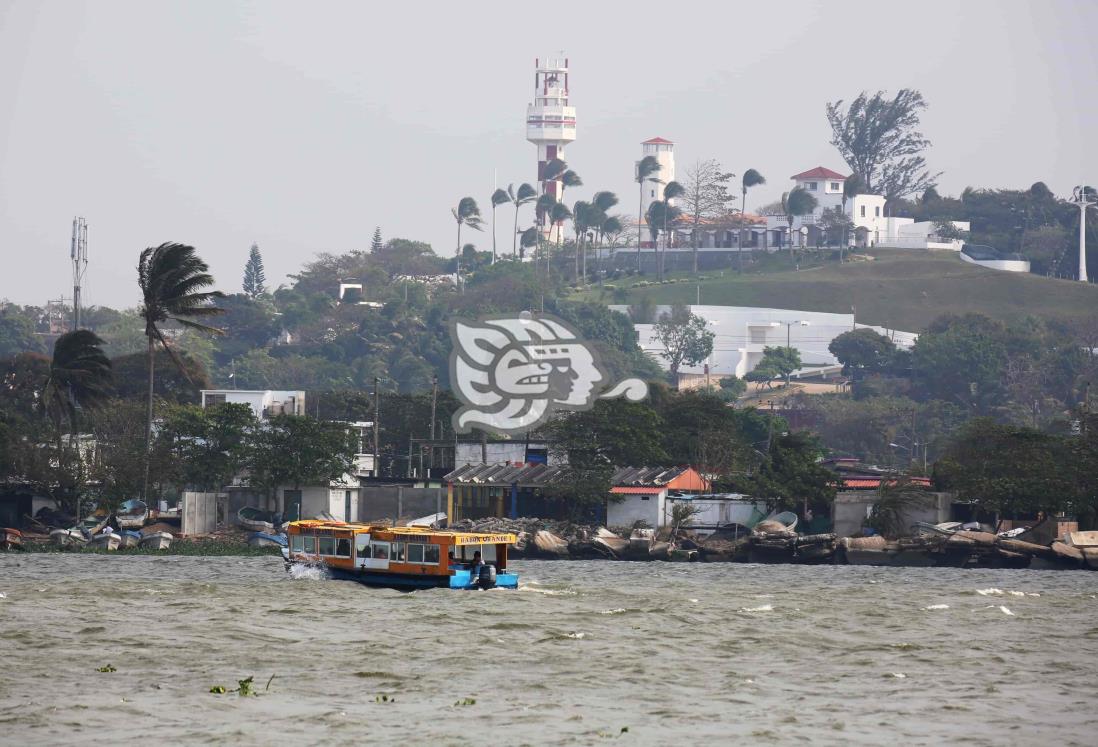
x: 664, y: 152
x: 550, y: 121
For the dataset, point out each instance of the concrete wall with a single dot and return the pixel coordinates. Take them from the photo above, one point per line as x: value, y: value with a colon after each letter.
x: 394, y: 502
x: 203, y: 512
x: 1006, y: 265
x: 648, y: 508
x: 852, y: 507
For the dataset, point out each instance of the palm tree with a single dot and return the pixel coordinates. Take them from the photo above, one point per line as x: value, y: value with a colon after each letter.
x: 526, y: 193
x: 796, y: 203
x: 646, y: 167
x: 172, y: 278
x: 751, y: 178
x: 542, y: 208
x: 466, y: 214
x: 671, y: 190
x: 852, y: 187
x: 499, y: 197
x: 581, y: 221
x: 80, y: 378
x: 557, y: 216
x: 569, y: 179
x: 554, y: 169
x: 610, y: 229
x: 660, y: 213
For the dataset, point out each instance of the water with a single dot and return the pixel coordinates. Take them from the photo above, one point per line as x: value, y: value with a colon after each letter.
x: 673, y: 652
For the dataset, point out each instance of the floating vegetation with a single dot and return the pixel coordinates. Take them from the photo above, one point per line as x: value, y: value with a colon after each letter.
x: 384, y: 698
x: 244, y: 687
x: 107, y: 669
x: 466, y: 702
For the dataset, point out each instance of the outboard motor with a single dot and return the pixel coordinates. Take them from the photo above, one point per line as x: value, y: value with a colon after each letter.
x: 487, y: 576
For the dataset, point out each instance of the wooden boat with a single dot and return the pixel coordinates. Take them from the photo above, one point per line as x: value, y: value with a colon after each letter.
x: 156, y: 541
x: 1082, y: 539
x: 261, y: 539
x: 550, y: 544
x: 255, y: 519
x: 402, y: 557
x: 438, y: 519
x: 129, y: 539
x: 68, y: 538
x: 132, y: 514
x: 610, y: 543
x: 93, y: 524
x: 105, y: 541
x: 11, y: 539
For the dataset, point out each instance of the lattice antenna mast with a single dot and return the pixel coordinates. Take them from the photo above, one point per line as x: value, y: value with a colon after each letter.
x: 79, y: 255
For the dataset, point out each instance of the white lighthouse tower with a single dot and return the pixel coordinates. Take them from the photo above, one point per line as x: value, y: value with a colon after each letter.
x: 550, y: 121
x: 664, y: 153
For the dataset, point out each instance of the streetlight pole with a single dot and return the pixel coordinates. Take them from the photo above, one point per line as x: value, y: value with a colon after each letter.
x: 377, y: 415
x: 1083, y: 197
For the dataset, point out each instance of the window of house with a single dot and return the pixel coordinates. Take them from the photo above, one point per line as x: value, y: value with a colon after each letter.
x: 863, y: 211
x: 343, y: 547
x: 415, y: 552
x: 877, y: 211
x: 812, y: 186
x: 327, y: 545
x: 310, y: 545
x: 297, y: 542
x: 834, y: 186
x: 215, y: 399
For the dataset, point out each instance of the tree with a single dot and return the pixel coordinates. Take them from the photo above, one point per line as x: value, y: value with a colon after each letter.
x: 79, y: 378
x: 751, y: 178
x: 962, y: 360
x: 646, y: 168
x: 525, y: 194
x: 836, y: 225
x: 17, y: 333
x: 896, y: 500
x: 613, y: 433
x: 879, y: 139
x: 791, y: 474
x: 254, y: 277
x: 376, y: 243
x: 569, y: 179
x: 660, y: 214
x: 295, y: 450
x: 671, y: 191
x: 705, y: 198
x: 466, y: 214
x: 862, y: 351
x: 777, y: 361
x: 685, y: 339
x: 172, y: 278
x: 499, y: 197
x: 582, y: 215
x: 210, y: 443
x: 795, y: 204
x: 731, y: 388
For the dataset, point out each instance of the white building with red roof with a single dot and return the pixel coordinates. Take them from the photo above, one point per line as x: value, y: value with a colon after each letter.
x: 663, y: 151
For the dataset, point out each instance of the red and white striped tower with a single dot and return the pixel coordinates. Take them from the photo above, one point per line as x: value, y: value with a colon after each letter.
x: 550, y: 121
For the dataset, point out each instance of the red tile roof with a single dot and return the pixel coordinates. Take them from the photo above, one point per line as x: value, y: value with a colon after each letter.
x: 658, y: 141
x: 621, y: 489
x: 875, y: 482
x: 818, y: 173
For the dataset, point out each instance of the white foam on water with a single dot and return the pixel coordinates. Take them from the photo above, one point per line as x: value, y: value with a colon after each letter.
x: 937, y: 607
x: 763, y: 608
x: 577, y: 636
x: 302, y: 572
x: 899, y: 675
x: 548, y: 592
x: 1005, y: 611
x: 616, y: 611
x: 990, y: 592
x: 3, y: 595
x: 694, y: 601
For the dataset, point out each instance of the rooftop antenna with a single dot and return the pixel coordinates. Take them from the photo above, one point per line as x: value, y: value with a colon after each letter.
x: 79, y: 256
x: 1084, y: 197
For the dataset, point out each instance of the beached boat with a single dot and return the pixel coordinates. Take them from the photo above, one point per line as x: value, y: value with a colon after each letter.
x: 93, y: 524
x: 156, y: 541
x: 10, y: 539
x: 255, y: 519
x: 105, y: 541
x: 132, y: 514
x: 431, y: 520
x: 262, y: 539
x: 129, y: 539
x: 68, y: 538
x: 402, y: 557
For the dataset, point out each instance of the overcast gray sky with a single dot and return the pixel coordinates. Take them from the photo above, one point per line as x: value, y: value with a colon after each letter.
x: 301, y: 126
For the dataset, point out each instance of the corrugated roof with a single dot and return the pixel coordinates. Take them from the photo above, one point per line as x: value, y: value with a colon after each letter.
x: 540, y: 474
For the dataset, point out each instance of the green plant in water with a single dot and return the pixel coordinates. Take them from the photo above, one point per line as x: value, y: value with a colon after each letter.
x: 218, y: 690
x: 106, y: 669
x: 383, y: 698
x: 245, y: 687
x: 466, y: 702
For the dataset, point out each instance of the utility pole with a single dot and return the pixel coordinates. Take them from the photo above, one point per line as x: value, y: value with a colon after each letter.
x: 1084, y: 198
x: 431, y: 440
x: 79, y: 255
x: 377, y: 414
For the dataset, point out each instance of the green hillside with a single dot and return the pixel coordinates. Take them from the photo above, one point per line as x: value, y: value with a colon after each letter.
x: 900, y: 290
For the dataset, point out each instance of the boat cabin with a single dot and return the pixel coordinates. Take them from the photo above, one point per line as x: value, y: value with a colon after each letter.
x: 402, y: 557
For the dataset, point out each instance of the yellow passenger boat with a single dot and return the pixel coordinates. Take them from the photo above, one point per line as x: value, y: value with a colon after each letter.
x: 402, y: 557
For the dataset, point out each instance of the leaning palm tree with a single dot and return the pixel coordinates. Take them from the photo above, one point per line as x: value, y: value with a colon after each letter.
x: 751, y: 178
x: 557, y: 216
x: 526, y: 193
x: 671, y: 190
x: 795, y: 204
x: 499, y: 197
x: 80, y: 378
x: 569, y: 179
x: 610, y: 230
x: 646, y: 167
x: 581, y: 220
x: 467, y: 213
x: 554, y: 169
x: 852, y: 187
x: 172, y: 278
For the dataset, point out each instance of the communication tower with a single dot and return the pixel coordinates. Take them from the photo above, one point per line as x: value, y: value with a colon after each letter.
x: 79, y: 255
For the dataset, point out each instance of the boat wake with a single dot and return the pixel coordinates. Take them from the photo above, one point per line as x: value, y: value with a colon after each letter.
x: 302, y: 572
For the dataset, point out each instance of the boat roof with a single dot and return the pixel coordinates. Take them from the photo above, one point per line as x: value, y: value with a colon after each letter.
x: 459, y: 538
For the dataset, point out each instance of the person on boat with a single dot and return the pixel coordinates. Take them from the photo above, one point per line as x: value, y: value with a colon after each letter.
x: 476, y: 564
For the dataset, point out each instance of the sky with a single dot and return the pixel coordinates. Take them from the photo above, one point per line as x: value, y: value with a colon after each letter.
x: 302, y: 126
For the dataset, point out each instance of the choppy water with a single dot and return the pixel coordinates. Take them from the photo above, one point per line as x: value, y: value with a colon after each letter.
x: 676, y: 653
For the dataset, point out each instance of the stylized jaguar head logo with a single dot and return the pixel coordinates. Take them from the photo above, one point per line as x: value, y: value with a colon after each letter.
x: 512, y: 373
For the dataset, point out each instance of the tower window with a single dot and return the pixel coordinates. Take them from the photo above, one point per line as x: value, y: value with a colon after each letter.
x: 877, y: 211
x: 863, y: 211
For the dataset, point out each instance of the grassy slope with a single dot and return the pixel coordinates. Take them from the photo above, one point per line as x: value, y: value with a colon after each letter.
x: 900, y: 290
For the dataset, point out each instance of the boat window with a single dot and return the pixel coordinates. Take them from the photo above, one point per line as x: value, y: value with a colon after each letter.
x: 327, y: 545
x: 415, y: 553
x: 362, y: 546
x: 296, y: 542
x: 381, y: 550
x: 397, y: 553
x: 343, y: 548
x: 430, y: 554
x: 310, y: 545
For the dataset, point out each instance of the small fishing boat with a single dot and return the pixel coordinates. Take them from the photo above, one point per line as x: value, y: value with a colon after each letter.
x: 132, y: 514
x: 261, y: 539
x: 431, y: 520
x: 402, y: 557
x: 156, y: 541
x: 68, y: 538
x: 10, y: 539
x: 129, y: 539
x: 105, y: 541
x: 93, y: 524
x: 255, y: 519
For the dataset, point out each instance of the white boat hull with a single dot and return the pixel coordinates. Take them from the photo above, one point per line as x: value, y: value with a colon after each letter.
x: 157, y: 541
